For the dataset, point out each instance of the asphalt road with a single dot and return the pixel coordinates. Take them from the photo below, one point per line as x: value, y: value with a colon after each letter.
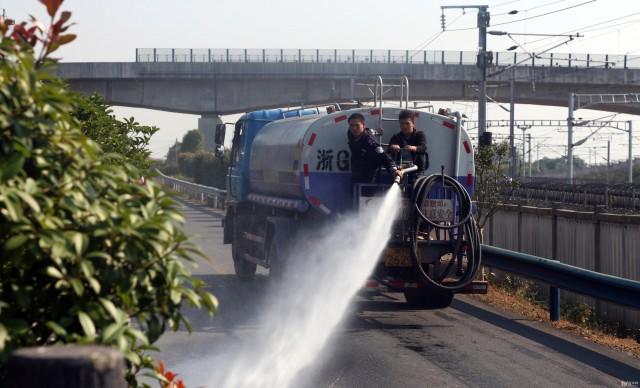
x: 381, y: 343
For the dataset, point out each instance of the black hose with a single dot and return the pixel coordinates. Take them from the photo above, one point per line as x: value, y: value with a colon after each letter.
x: 466, y: 226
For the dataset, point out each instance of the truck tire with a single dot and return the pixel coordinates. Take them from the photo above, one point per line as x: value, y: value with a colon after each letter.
x: 276, y: 266
x: 428, y: 298
x: 245, y: 270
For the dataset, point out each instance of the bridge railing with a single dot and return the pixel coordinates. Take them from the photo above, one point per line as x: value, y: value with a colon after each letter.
x: 213, y: 196
x: 446, y: 57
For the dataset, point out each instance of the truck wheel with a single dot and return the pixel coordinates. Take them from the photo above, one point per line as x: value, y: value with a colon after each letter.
x: 245, y: 270
x: 428, y: 298
x: 276, y: 265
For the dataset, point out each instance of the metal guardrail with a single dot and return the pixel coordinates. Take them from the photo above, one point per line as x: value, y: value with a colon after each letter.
x: 621, y: 291
x: 445, y: 57
x: 213, y: 196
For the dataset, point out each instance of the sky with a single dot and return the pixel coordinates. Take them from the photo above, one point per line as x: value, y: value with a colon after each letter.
x: 110, y: 31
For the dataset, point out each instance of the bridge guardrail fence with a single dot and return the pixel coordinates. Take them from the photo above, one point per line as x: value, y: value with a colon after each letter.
x: 444, y: 57
x: 213, y: 196
x: 557, y: 275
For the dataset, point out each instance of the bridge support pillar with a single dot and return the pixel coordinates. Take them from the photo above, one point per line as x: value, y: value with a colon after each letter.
x: 207, y: 127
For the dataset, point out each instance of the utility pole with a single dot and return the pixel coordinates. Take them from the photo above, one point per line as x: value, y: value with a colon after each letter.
x: 512, y: 116
x: 630, y: 180
x: 524, y: 155
x: 523, y: 167
x: 570, y: 138
x: 483, y: 23
x: 608, y: 158
x: 529, y: 140
x: 482, y: 61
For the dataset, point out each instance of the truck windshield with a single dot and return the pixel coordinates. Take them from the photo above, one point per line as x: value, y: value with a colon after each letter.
x: 236, y: 145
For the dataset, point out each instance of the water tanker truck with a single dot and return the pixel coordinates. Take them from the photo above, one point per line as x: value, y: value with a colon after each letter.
x: 290, y: 172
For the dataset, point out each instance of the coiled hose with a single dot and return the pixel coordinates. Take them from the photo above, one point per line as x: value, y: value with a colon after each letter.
x: 463, y: 242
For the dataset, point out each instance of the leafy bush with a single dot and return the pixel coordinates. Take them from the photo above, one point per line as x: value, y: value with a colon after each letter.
x: 490, y: 179
x: 192, y: 142
x: 210, y: 170
x: 87, y: 255
x: 126, y: 138
x: 204, y: 168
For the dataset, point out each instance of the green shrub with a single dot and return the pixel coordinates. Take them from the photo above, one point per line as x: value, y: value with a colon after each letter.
x: 186, y: 163
x: 87, y: 255
x: 192, y: 142
x: 126, y: 138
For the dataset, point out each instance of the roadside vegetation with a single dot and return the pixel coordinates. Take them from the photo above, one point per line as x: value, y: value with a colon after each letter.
x: 491, y: 178
x: 88, y: 254
x: 189, y: 161
x: 526, y: 298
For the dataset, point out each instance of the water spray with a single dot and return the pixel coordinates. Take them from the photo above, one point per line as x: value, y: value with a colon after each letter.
x: 306, y: 307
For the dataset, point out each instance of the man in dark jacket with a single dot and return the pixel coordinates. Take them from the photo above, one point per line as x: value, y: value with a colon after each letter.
x: 410, y: 140
x: 366, y: 156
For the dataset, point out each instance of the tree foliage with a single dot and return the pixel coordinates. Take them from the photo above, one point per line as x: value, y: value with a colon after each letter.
x: 490, y: 180
x: 191, y: 142
x: 559, y: 165
x: 204, y: 168
x: 126, y: 138
x: 87, y: 255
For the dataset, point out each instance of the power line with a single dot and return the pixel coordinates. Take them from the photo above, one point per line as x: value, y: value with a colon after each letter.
x: 545, y: 14
x: 505, y: 3
x: 596, y: 29
x: 589, y: 26
x: 530, y: 17
x: 432, y: 38
x: 532, y: 8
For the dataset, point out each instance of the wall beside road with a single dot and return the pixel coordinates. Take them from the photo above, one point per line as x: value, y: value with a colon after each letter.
x: 606, y: 243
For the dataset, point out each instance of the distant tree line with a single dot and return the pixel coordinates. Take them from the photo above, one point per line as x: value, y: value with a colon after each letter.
x: 188, y: 159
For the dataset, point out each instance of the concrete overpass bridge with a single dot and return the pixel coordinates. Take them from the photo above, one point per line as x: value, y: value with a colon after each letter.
x: 214, y: 82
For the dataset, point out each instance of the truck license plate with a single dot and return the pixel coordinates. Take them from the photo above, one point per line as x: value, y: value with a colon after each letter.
x: 397, y: 257
x: 438, y: 209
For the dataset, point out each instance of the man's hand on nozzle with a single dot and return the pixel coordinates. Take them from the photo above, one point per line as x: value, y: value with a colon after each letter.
x: 398, y: 173
x: 411, y: 148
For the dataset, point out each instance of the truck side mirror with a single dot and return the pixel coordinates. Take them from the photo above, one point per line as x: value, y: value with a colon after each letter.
x: 221, y: 130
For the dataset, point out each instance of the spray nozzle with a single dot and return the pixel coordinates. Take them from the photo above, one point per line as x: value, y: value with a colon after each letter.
x: 405, y: 171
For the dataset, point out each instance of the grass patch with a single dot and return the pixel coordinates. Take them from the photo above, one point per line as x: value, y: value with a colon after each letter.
x: 529, y: 299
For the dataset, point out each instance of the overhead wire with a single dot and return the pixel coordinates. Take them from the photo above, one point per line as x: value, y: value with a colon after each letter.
x: 530, y: 17
x: 532, y: 8
x: 588, y: 26
x: 545, y: 14
x: 432, y: 38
